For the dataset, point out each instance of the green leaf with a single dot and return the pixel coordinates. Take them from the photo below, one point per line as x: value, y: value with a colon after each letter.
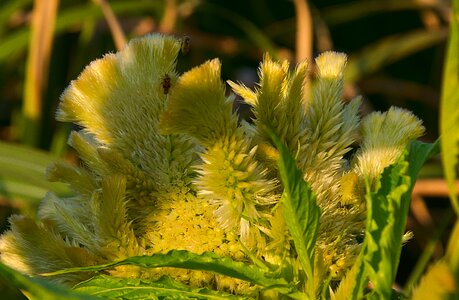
x: 134, y: 288
x: 452, y: 253
x: 36, y: 288
x: 449, y: 108
x: 300, y: 210
x: 418, y: 154
x: 183, y: 259
x: 387, y: 211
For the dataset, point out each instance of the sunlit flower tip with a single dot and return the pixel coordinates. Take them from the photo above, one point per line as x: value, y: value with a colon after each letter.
x: 247, y: 94
x: 32, y: 249
x: 403, y: 122
x: 331, y: 64
x: 11, y: 254
x: 198, y: 106
x: 271, y: 75
x: 118, y: 97
x: 396, y: 127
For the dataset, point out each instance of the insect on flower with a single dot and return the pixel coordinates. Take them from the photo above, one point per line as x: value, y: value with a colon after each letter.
x: 185, y: 44
x: 166, y: 83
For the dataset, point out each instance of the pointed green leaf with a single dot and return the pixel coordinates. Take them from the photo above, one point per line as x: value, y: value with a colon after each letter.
x: 387, y: 208
x: 449, y: 108
x: 386, y: 216
x: 134, y: 288
x: 183, y: 259
x: 418, y: 154
x: 300, y: 210
x: 36, y: 288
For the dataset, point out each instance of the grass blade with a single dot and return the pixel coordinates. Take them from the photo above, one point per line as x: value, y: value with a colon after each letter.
x: 449, y: 112
x: 113, y: 24
x: 43, y: 18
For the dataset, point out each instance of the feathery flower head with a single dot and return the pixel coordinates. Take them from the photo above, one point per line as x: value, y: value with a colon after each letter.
x: 331, y: 64
x: 166, y: 164
x: 134, y: 192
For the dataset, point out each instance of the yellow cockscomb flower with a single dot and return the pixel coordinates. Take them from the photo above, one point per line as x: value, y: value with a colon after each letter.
x: 133, y: 193
x: 166, y: 164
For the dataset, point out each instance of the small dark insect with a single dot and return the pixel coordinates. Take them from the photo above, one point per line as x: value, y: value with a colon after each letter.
x: 185, y: 44
x: 166, y: 83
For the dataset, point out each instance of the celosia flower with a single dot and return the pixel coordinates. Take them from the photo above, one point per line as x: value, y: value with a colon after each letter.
x: 167, y: 165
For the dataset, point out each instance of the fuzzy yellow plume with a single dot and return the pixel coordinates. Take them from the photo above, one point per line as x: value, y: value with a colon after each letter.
x: 167, y: 164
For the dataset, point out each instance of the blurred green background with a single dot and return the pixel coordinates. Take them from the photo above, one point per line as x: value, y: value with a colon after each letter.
x: 395, y: 47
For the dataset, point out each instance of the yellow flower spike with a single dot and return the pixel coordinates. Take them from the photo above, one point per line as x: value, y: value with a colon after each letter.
x: 331, y: 64
x: 235, y: 186
x: 331, y: 128
x: 87, y: 151
x: 269, y: 95
x: 167, y: 165
x: 278, y: 102
x: 437, y: 283
x: 113, y: 231
x: 72, y: 217
x: 198, y: 106
x: 319, y: 131
x: 247, y: 94
x: 395, y: 127
x: 118, y: 99
x: 79, y: 179
x: 230, y: 177
x: 293, y: 108
x: 33, y: 249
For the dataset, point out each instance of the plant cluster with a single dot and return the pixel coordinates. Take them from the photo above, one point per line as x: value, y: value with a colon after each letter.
x: 176, y: 193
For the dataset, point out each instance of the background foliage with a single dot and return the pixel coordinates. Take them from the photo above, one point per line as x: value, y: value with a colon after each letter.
x: 396, y: 52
